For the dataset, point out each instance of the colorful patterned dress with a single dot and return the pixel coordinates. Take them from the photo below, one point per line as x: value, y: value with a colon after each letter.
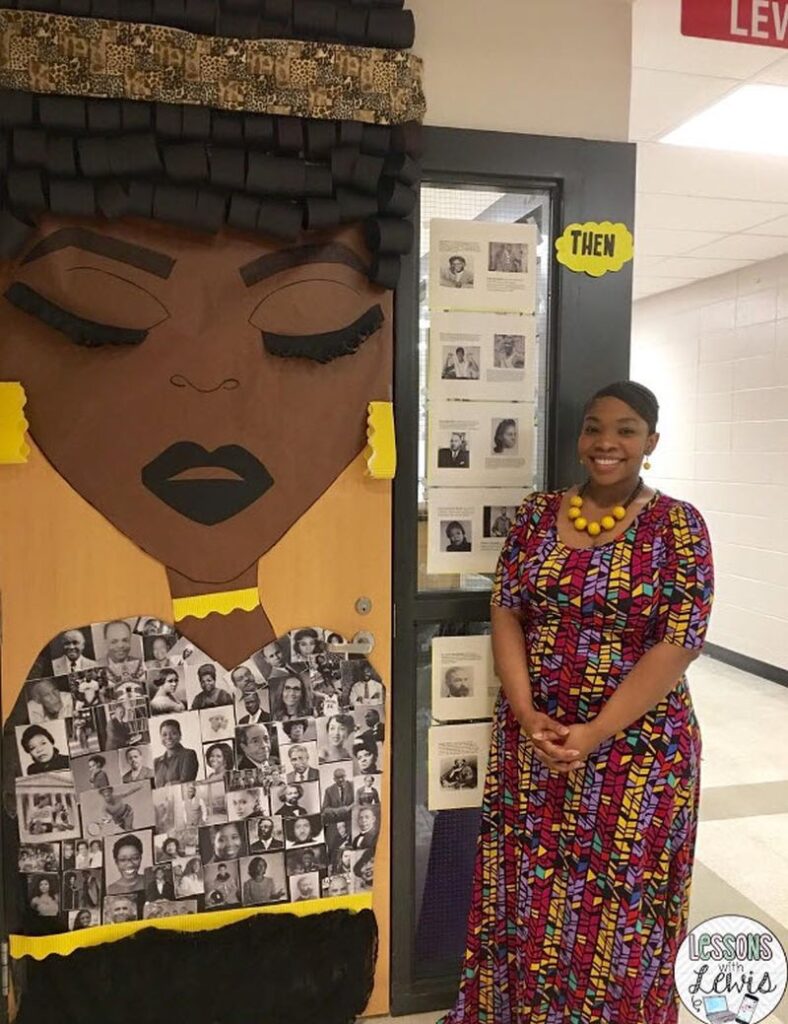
x: 581, y: 886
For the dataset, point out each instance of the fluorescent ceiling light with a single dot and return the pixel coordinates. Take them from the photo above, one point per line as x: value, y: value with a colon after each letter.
x: 752, y: 119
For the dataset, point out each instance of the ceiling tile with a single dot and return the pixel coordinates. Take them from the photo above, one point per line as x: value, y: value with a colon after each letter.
x: 744, y: 247
x: 662, y: 100
x: 721, y: 215
x: 658, y: 43
x: 682, y: 170
x: 775, y: 74
x: 663, y: 242
x: 653, y: 285
x: 646, y: 264
x: 686, y: 266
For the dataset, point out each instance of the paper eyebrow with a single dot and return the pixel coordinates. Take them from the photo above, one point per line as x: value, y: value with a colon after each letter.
x: 275, y: 262
x: 149, y: 260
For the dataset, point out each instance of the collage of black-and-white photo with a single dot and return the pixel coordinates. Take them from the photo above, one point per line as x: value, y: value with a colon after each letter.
x: 152, y: 782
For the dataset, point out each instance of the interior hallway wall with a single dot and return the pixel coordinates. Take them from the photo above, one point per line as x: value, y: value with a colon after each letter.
x: 543, y: 67
x: 716, y: 353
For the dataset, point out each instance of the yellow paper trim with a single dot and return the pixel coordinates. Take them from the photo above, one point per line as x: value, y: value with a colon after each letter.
x: 595, y: 249
x: 40, y: 947
x: 13, y: 447
x: 381, y: 449
x: 223, y: 603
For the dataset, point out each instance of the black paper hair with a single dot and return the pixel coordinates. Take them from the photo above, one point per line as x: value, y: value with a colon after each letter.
x: 202, y: 168
x: 637, y: 397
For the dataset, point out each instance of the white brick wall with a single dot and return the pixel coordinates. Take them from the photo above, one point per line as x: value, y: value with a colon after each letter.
x: 716, y: 354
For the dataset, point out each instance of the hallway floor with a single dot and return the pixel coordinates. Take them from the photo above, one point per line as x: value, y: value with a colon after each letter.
x: 742, y: 854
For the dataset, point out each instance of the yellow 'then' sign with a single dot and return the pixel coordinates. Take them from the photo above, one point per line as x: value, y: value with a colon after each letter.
x: 595, y: 249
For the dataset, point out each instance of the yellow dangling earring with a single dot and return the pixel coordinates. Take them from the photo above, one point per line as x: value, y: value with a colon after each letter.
x: 647, y: 463
x: 13, y: 446
x: 381, y: 450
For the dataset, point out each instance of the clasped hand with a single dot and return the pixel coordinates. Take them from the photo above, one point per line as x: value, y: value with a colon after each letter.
x: 561, y: 748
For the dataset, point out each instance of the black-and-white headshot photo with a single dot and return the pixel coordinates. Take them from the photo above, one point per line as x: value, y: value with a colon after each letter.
x: 49, y: 700
x: 335, y: 738
x: 121, y: 652
x: 363, y: 870
x: 457, y: 271
x: 257, y: 747
x: 456, y: 535
x: 365, y: 827
x: 247, y: 803
x: 157, y: 650
x: 297, y: 730
x: 459, y: 772
x: 461, y: 362
x: 43, y: 748
x: 122, y: 908
x: 294, y: 799
x: 366, y: 756
x: 498, y: 520
x: 167, y: 691
x: 162, y: 908
x: 217, y: 724
x: 509, y: 351
x: 207, y: 686
x: 368, y: 789
x: 299, y: 761
x: 168, y: 846
x: 305, y: 887
x: 458, y: 681
x: 125, y: 859
x: 306, y: 860
x: 136, y: 763
x: 303, y: 831
x: 188, y: 877
x: 79, y: 919
x: 507, y: 258
x: 223, y: 842
x: 504, y: 437
x: 73, y: 651
x: 219, y: 759
x: 159, y: 884
x: 265, y: 834
x: 263, y: 879
x: 176, y: 742
x: 123, y: 723
x: 43, y: 895
x: 453, y: 451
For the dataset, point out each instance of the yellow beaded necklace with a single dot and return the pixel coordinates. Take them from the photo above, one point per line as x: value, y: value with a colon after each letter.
x: 608, y: 522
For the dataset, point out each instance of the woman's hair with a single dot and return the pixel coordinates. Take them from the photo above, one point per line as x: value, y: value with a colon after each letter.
x: 83, y: 919
x: 32, y: 731
x: 255, y: 864
x: 304, y: 634
x: 190, y: 868
x: 304, y: 704
x: 98, y: 759
x: 127, y: 840
x: 346, y: 721
x: 226, y: 752
x: 296, y: 786
x: 454, y: 525
x: 637, y: 396
x: 164, y: 676
x: 500, y: 430
x: 168, y: 842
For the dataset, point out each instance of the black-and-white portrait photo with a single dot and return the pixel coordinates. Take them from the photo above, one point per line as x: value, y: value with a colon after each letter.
x: 121, y: 652
x: 298, y: 730
x: 300, y: 762
x: 223, y: 842
x: 453, y: 451
x: 43, y: 895
x: 188, y: 877
x: 257, y: 747
x: 368, y: 789
x: 73, y: 651
x: 83, y: 733
x: 498, y: 520
x: 162, y: 908
x: 219, y: 759
x: 122, y: 908
x: 507, y: 258
x: 125, y: 859
x: 291, y: 698
x: 263, y: 879
x: 207, y: 686
x: 459, y: 773
x: 365, y: 826
x: 167, y: 691
x: 335, y: 738
x: 43, y: 748
x: 265, y: 834
x: 38, y: 857
x: 504, y: 437
x: 176, y: 742
x: 136, y: 763
x: 458, y: 681
x: 456, y: 535
x: 305, y: 887
x: 168, y: 846
x: 157, y: 649
x: 49, y: 700
x: 363, y: 870
x: 461, y: 362
x: 82, y: 890
x: 159, y: 883
x: 306, y: 860
x: 95, y: 771
x: 217, y: 724
x: 303, y: 831
x: 457, y: 271
x: 247, y: 803
x: 294, y: 799
x: 79, y: 919
x: 366, y: 756
x: 509, y: 352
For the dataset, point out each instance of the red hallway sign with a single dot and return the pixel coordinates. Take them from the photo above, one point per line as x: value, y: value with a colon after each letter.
x: 762, y: 22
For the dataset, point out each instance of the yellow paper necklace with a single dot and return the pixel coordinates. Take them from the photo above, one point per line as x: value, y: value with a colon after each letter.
x: 608, y: 522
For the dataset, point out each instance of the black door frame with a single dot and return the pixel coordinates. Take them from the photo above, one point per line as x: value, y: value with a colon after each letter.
x: 590, y: 322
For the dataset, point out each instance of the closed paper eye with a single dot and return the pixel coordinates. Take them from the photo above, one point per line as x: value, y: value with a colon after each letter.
x: 75, y: 328
x: 323, y: 348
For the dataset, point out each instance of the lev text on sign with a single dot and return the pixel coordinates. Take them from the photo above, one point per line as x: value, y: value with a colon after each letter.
x: 759, y: 22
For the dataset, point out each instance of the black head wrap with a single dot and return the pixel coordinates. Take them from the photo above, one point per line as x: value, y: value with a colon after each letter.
x: 637, y: 396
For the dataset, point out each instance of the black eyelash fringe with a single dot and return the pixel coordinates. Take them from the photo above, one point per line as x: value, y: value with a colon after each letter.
x: 82, y: 332
x: 269, y: 969
x: 381, y: 23
x: 323, y: 348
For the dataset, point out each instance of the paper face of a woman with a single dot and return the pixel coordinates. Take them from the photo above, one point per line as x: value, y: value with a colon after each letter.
x: 200, y: 394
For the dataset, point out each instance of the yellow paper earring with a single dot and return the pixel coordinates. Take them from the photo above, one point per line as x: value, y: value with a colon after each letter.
x: 381, y: 451
x: 13, y: 446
